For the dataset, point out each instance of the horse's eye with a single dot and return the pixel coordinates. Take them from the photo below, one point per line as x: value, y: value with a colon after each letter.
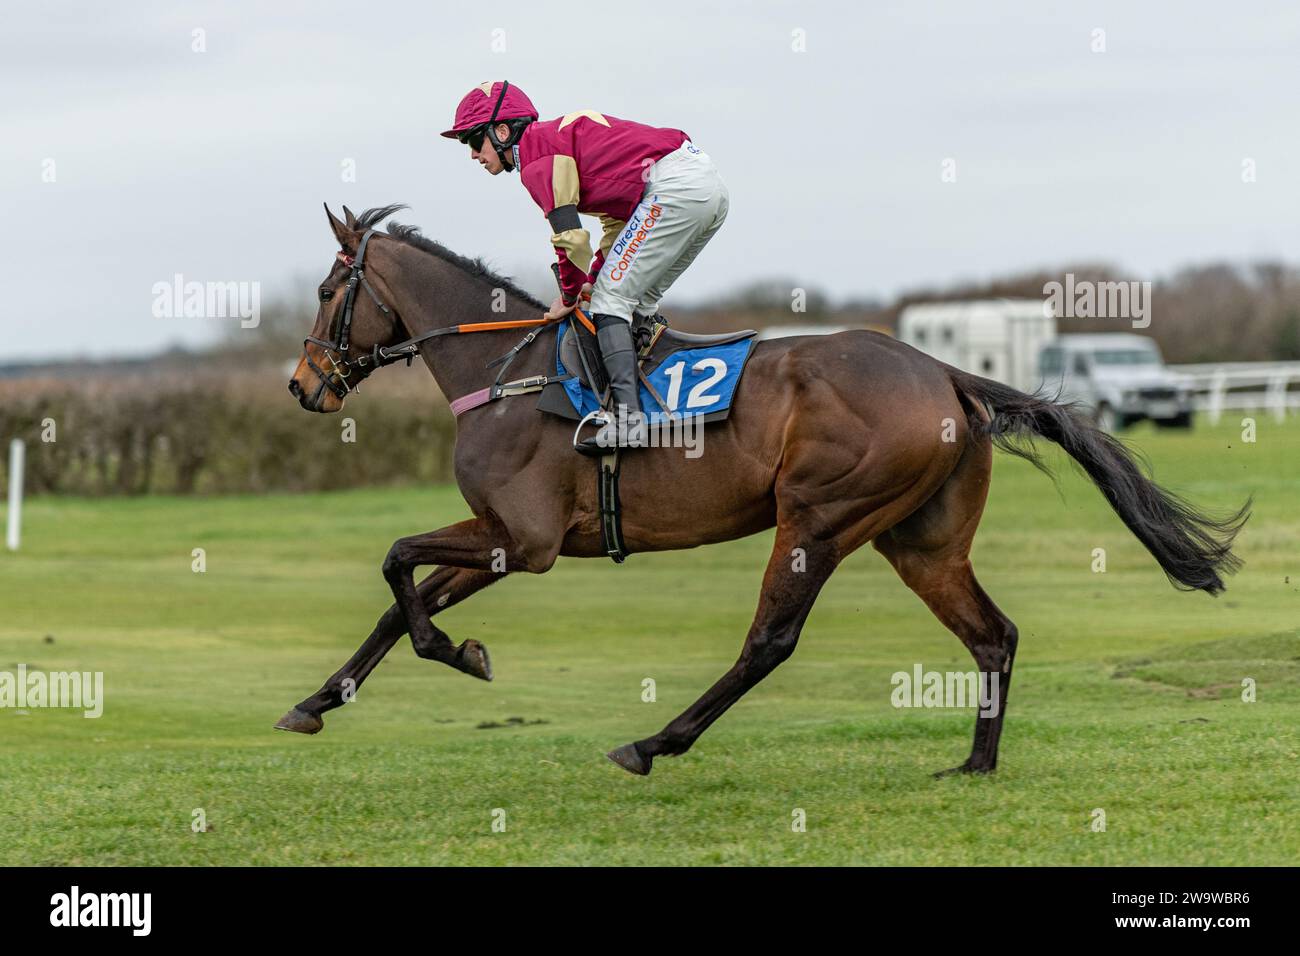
x: 326, y: 295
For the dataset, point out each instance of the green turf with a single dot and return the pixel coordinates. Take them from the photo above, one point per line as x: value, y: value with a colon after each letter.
x: 1127, y: 693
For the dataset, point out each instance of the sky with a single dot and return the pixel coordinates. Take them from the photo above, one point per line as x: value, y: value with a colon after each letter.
x: 869, y: 148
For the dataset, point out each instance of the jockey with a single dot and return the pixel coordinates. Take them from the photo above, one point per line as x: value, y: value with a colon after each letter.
x: 658, y: 196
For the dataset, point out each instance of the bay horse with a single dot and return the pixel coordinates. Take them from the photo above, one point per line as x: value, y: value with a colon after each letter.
x: 837, y: 440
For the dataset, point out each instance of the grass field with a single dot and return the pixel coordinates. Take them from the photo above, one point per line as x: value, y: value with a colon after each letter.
x: 1127, y: 694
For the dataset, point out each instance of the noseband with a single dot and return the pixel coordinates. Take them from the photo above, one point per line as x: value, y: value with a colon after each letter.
x: 336, y: 379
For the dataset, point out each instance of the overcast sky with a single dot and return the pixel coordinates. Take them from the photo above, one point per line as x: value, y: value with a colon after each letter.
x: 214, y: 164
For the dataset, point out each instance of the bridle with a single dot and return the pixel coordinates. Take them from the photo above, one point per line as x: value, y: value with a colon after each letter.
x: 341, y: 368
x: 336, y: 379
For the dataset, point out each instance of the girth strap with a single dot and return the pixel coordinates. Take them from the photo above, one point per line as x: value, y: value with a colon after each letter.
x: 611, y: 509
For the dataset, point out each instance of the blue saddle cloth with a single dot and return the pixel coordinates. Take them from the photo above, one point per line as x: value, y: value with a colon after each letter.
x: 691, y: 381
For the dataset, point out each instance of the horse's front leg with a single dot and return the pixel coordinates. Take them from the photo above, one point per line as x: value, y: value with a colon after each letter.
x: 443, y: 588
x: 480, y: 544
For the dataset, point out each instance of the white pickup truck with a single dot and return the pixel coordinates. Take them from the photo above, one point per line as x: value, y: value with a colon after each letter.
x: 1121, y: 378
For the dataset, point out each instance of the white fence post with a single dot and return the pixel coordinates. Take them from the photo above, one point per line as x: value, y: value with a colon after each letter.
x: 15, y: 493
x: 1276, y: 394
x: 1218, y: 385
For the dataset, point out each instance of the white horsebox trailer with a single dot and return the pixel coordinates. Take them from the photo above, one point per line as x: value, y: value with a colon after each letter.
x: 996, y: 338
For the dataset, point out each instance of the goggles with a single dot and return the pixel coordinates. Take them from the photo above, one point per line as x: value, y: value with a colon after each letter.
x: 473, y: 138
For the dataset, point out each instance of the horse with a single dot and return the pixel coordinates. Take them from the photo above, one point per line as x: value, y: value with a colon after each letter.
x: 836, y: 440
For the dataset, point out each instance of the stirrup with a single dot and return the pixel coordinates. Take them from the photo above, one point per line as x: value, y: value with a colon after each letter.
x: 599, y: 415
x: 621, y: 432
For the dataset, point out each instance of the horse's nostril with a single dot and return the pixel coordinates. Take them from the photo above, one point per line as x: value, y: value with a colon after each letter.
x: 294, y: 388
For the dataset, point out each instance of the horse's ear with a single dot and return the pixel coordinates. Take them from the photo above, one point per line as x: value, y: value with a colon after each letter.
x: 351, y: 219
x: 346, y: 235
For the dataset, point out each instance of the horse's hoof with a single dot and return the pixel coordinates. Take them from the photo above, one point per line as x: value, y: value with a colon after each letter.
x: 630, y: 759
x: 300, y: 722
x: 472, y: 658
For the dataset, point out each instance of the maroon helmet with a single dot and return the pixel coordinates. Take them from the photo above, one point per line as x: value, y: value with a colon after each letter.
x: 487, y: 104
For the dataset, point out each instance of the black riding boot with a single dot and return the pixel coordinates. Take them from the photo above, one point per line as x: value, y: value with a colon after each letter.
x: 618, y: 353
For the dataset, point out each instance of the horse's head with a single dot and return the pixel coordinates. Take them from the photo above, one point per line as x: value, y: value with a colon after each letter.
x: 351, y: 323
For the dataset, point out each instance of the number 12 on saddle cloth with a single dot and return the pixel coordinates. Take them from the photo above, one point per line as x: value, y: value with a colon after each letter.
x: 689, y: 377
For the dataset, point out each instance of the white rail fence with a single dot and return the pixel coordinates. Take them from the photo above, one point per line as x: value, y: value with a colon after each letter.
x: 1237, y: 386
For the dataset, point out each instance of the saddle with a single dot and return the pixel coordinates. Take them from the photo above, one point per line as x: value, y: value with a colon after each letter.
x: 682, y: 376
x: 684, y: 379
x: 702, y: 382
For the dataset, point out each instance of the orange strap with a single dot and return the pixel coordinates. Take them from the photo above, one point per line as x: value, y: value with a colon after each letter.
x: 497, y: 326
x: 522, y: 324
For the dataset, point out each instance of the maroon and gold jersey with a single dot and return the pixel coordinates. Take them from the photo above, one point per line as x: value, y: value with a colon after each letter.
x: 588, y: 162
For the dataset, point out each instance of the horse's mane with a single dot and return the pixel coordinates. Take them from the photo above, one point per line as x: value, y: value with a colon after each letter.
x: 411, y: 235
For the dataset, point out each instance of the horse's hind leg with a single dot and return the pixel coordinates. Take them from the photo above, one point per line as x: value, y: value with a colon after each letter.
x: 790, y: 587
x: 948, y: 586
x: 441, y: 589
x: 930, y: 551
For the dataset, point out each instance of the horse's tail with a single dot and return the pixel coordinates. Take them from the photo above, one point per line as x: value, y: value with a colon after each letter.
x: 1193, y: 548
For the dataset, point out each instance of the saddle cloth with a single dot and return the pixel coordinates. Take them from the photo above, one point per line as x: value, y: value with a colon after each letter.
x: 692, y: 375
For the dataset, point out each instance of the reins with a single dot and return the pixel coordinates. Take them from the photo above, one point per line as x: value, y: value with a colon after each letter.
x: 381, y: 355
x: 386, y: 355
